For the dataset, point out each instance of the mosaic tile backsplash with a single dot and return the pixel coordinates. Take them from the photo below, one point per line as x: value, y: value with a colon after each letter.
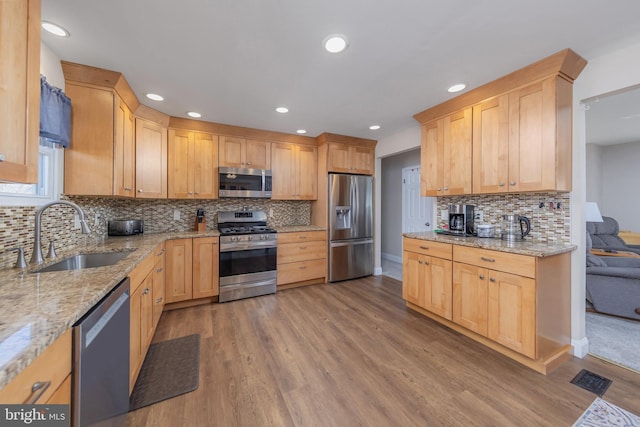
x: 547, y: 223
x: 17, y: 223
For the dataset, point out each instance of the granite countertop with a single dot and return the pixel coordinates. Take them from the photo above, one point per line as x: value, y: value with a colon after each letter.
x: 38, y: 307
x: 299, y: 228
x: 523, y: 247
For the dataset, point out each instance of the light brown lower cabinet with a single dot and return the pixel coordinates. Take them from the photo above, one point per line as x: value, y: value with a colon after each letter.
x: 51, y: 369
x: 516, y: 304
x: 302, y: 258
x: 191, y: 269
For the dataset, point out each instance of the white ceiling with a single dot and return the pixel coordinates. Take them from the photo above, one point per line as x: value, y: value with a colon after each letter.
x: 614, y: 119
x: 236, y: 60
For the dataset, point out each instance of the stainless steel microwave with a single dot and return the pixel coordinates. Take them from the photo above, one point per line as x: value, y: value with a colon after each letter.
x: 240, y: 182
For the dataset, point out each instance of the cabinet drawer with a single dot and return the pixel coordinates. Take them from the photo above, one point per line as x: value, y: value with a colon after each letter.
x: 143, y: 269
x: 427, y: 247
x: 53, y: 366
x: 301, y: 271
x: 522, y: 265
x: 302, y: 251
x: 305, y: 236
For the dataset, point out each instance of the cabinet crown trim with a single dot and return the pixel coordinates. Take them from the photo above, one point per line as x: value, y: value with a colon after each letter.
x: 566, y: 64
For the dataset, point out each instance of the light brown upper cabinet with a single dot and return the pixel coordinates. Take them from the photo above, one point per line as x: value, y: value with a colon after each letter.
x: 151, y: 160
x: 521, y: 130
x: 446, y: 152
x: 520, y: 140
x: 101, y: 160
x: 19, y: 90
x: 294, y: 169
x: 351, y: 159
x: 193, y: 165
x: 244, y: 153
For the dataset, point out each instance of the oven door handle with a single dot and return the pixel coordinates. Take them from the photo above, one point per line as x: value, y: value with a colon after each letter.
x: 246, y: 247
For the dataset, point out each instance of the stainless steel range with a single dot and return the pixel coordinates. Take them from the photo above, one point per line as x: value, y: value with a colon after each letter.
x: 247, y: 255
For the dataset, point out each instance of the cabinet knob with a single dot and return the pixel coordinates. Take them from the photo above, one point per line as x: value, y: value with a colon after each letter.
x: 481, y: 277
x: 419, y: 261
x: 248, y: 163
x: 159, y: 300
x: 501, y: 184
x: 512, y: 183
x: 146, y: 291
x: 438, y: 189
x: 37, y: 389
x: 492, y: 279
x: 159, y: 270
x: 426, y: 262
x: 1, y: 157
x: 190, y: 192
x: 446, y: 188
x: 140, y: 190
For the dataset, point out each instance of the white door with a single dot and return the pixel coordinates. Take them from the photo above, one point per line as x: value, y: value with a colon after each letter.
x: 416, y: 210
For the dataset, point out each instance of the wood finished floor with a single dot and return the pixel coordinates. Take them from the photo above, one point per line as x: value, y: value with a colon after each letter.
x: 352, y: 354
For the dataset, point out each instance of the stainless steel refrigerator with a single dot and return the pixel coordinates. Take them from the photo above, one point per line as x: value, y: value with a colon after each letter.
x: 350, y: 226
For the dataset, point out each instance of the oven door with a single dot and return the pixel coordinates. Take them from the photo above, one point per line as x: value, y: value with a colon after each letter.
x: 247, y: 273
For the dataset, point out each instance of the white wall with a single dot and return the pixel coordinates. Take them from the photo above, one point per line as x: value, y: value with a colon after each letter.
x: 607, y: 73
x: 620, y: 178
x: 405, y: 140
x: 51, y: 67
x: 594, y: 173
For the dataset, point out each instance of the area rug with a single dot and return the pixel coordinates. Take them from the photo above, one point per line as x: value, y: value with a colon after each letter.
x: 171, y: 368
x: 614, y: 339
x: 604, y: 414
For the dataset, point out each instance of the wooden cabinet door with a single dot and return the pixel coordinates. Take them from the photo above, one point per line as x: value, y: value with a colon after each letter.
x: 457, y: 153
x: 470, y: 297
x: 19, y: 90
x: 146, y: 312
x: 306, y: 175
x: 257, y: 154
x: 512, y: 312
x: 135, y: 335
x: 361, y: 160
x: 205, y: 267
x: 205, y: 166
x: 232, y: 151
x: 491, y: 146
x: 124, y: 150
x: 283, y: 171
x: 431, y: 159
x: 338, y: 158
x: 89, y: 161
x: 151, y: 160
x: 180, y: 173
x: 178, y: 270
x: 158, y: 284
x: 413, y: 278
x: 437, y: 286
x: 532, y: 137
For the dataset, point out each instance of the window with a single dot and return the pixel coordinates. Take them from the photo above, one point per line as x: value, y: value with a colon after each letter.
x: 49, y: 181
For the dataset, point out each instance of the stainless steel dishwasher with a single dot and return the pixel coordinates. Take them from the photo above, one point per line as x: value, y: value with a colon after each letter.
x: 101, y: 362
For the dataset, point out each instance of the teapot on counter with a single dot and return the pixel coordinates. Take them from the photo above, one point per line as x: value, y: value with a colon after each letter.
x: 515, y: 227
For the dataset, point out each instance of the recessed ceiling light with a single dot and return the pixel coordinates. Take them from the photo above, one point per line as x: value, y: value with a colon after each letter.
x: 282, y: 110
x: 301, y: 131
x: 194, y: 114
x: 155, y: 97
x: 335, y: 43
x: 457, y: 87
x: 55, y: 29
x: 374, y: 127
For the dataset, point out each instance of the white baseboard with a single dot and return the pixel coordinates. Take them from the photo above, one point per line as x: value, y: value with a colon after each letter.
x: 377, y: 271
x: 390, y: 257
x: 580, y: 347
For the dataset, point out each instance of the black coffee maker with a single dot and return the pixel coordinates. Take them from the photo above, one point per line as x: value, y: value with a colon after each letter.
x: 461, y: 219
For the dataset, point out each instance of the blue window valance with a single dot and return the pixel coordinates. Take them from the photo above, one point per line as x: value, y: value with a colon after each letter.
x: 55, y: 114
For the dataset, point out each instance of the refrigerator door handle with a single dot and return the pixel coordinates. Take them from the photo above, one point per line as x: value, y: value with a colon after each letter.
x: 351, y: 242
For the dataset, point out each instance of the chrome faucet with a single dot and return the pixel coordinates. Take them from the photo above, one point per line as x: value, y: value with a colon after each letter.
x: 36, y: 257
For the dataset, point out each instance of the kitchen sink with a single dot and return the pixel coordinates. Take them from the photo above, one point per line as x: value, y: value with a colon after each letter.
x: 82, y: 261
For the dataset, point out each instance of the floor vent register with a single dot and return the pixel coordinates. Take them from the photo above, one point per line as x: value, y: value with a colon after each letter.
x: 591, y: 382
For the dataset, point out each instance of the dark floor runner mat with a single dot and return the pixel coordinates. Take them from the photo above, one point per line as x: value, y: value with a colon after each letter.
x: 171, y: 368
x: 591, y: 382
